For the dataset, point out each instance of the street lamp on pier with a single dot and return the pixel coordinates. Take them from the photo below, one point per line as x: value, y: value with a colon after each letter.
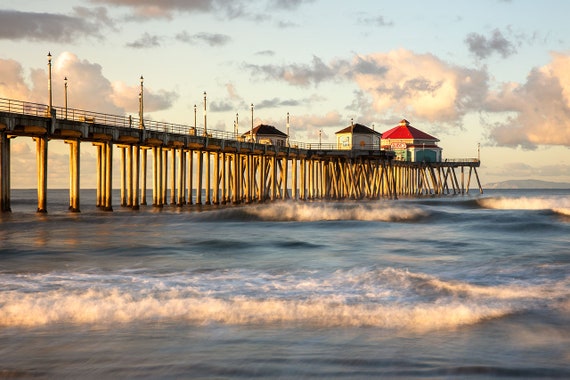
x: 141, y: 104
x: 288, y: 142
x: 65, y: 96
x: 251, y: 132
x: 205, y: 116
x: 320, y: 137
x: 50, y: 104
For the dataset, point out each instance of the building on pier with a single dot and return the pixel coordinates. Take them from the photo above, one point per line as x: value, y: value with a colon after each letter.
x: 411, y: 144
x: 265, y: 134
x: 358, y: 136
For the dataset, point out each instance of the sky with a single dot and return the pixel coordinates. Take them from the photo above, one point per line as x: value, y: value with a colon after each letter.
x: 493, y: 74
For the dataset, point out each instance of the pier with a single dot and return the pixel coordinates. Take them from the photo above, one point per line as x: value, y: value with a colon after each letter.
x: 217, y: 166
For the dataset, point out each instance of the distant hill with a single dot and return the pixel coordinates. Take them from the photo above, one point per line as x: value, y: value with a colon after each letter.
x: 527, y: 184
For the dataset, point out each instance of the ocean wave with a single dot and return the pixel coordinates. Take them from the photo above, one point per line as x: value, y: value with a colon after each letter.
x: 385, y: 298
x: 562, y: 211
x: 321, y: 211
x: 557, y: 204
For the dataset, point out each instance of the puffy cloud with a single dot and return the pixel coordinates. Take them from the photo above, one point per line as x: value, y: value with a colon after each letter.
x: 539, y: 110
x: 16, y: 25
x: 88, y: 88
x: 12, y: 83
x: 312, y: 123
x: 419, y: 86
x: 482, y: 47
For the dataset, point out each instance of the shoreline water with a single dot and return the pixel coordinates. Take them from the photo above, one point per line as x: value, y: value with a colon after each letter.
x: 436, y: 287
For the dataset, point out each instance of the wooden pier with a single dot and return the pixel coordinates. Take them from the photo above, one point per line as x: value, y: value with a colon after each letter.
x: 213, y: 165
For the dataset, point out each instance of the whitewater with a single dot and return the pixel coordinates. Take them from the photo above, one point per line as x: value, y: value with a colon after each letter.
x: 472, y: 286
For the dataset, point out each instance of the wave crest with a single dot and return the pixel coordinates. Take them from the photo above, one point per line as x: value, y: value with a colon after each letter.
x: 326, y: 211
x: 386, y: 298
x: 526, y: 203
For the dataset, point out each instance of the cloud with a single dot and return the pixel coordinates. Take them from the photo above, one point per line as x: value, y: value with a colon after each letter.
x: 145, y: 41
x: 538, y: 110
x: 312, y: 123
x: 419, y: 86
x: 211, y: 39
x: 222, y: 106
x: 277, y: 102
x: 482, y: 47
x: 267, y: 53
x: 12, y: 84
x: 88, y: 88
x: 375, y: 21
x: 287, y: 4
x: 16, y: 25
x: 301, y: 75
x: 149, y: 9
x: 247, y: 9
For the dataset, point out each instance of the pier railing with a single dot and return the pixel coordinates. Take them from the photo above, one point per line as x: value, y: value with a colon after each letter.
x: 128, y: 121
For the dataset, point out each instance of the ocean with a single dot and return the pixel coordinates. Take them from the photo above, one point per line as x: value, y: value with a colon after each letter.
x: 471, y: 286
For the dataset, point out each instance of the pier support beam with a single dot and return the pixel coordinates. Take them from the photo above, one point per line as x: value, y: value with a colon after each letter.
x: 136, y: 177
x: 143, y: 173
x: 109, y: 176
x: 4, y: 173
x: 42, y: 167
x: 74, y: 174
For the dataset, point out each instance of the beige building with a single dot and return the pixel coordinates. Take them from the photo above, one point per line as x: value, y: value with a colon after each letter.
x: 358, y: 136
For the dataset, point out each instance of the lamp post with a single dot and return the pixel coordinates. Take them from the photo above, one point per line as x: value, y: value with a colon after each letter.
x: 141, y: 104
x: 195, y: 117
x: 320, y: 137
x: 205, y: 116
x: 65, y: 96
x: 49, y: 84
x: 251, y: 132
x: 288, y: 142
x: 236, y: 126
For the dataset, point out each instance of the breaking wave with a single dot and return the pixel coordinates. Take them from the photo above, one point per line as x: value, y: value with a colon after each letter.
x: 556, y: 204
x: 323, y: 211
x: 388, y: 298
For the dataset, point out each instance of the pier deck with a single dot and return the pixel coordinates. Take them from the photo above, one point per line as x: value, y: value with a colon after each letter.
x: 215, y: 165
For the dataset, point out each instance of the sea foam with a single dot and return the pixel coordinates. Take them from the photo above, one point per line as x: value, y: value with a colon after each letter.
x: 526, y: 203
x: 384, y: 298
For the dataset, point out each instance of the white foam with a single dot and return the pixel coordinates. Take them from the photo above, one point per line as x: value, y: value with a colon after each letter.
x: 110, y: 308
x: 526, y: 203
x: 325, y: 211
x: 385, y: 298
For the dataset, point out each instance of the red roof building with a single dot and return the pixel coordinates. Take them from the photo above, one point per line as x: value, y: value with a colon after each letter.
x: 411, y: 144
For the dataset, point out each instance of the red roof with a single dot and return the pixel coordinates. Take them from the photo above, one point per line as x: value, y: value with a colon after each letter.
x: 405, y: 131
